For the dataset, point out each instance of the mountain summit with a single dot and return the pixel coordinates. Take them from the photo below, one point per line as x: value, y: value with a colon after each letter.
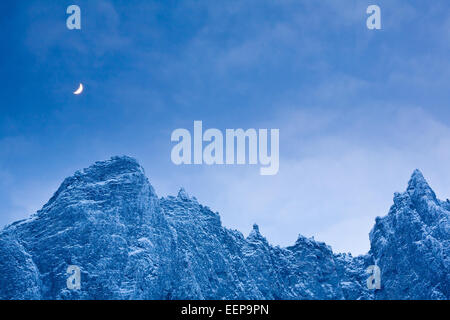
x: 130, y: 244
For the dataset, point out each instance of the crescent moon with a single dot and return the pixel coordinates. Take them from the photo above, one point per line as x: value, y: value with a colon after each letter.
x: 79, y: 90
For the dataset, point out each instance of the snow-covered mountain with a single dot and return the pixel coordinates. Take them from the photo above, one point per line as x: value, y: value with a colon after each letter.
x: 130, y: 244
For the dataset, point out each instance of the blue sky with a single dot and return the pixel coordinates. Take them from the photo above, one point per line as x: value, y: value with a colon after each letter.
x: 358, y: 110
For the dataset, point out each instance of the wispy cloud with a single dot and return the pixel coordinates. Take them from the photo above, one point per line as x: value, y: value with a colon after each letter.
x: 357, y: 110
x: 332, y: 185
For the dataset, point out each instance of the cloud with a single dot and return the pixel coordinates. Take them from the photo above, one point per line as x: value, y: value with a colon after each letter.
x: 15, y: 146
x: 330, y: 185
x: 357, y: 111
x: 99, y: 35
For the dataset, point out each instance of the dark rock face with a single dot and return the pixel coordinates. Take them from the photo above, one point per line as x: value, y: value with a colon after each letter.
x: 130, y: 244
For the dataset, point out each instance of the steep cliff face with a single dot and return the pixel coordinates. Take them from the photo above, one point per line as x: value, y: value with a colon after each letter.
x: 105, y: 219
x: 19, y: 276
x: 412, y: 245
x: 214, y: 262
x: 129, y: 244
x: 208, y: 258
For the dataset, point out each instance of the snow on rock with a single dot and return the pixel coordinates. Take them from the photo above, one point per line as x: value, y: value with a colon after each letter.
x: 412, y: 245
x: 130, y: 244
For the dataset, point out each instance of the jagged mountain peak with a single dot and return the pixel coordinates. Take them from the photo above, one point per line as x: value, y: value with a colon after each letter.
x: 115, y: 166
x: 417, y: 175
x: 418, y: 187
x: 120, y: 177
x: 254, y: 233
x: 303, y: 242
x: 103, y: 171
x: 183, y: 195
x: 411, y: 244
x: 130, y: 244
